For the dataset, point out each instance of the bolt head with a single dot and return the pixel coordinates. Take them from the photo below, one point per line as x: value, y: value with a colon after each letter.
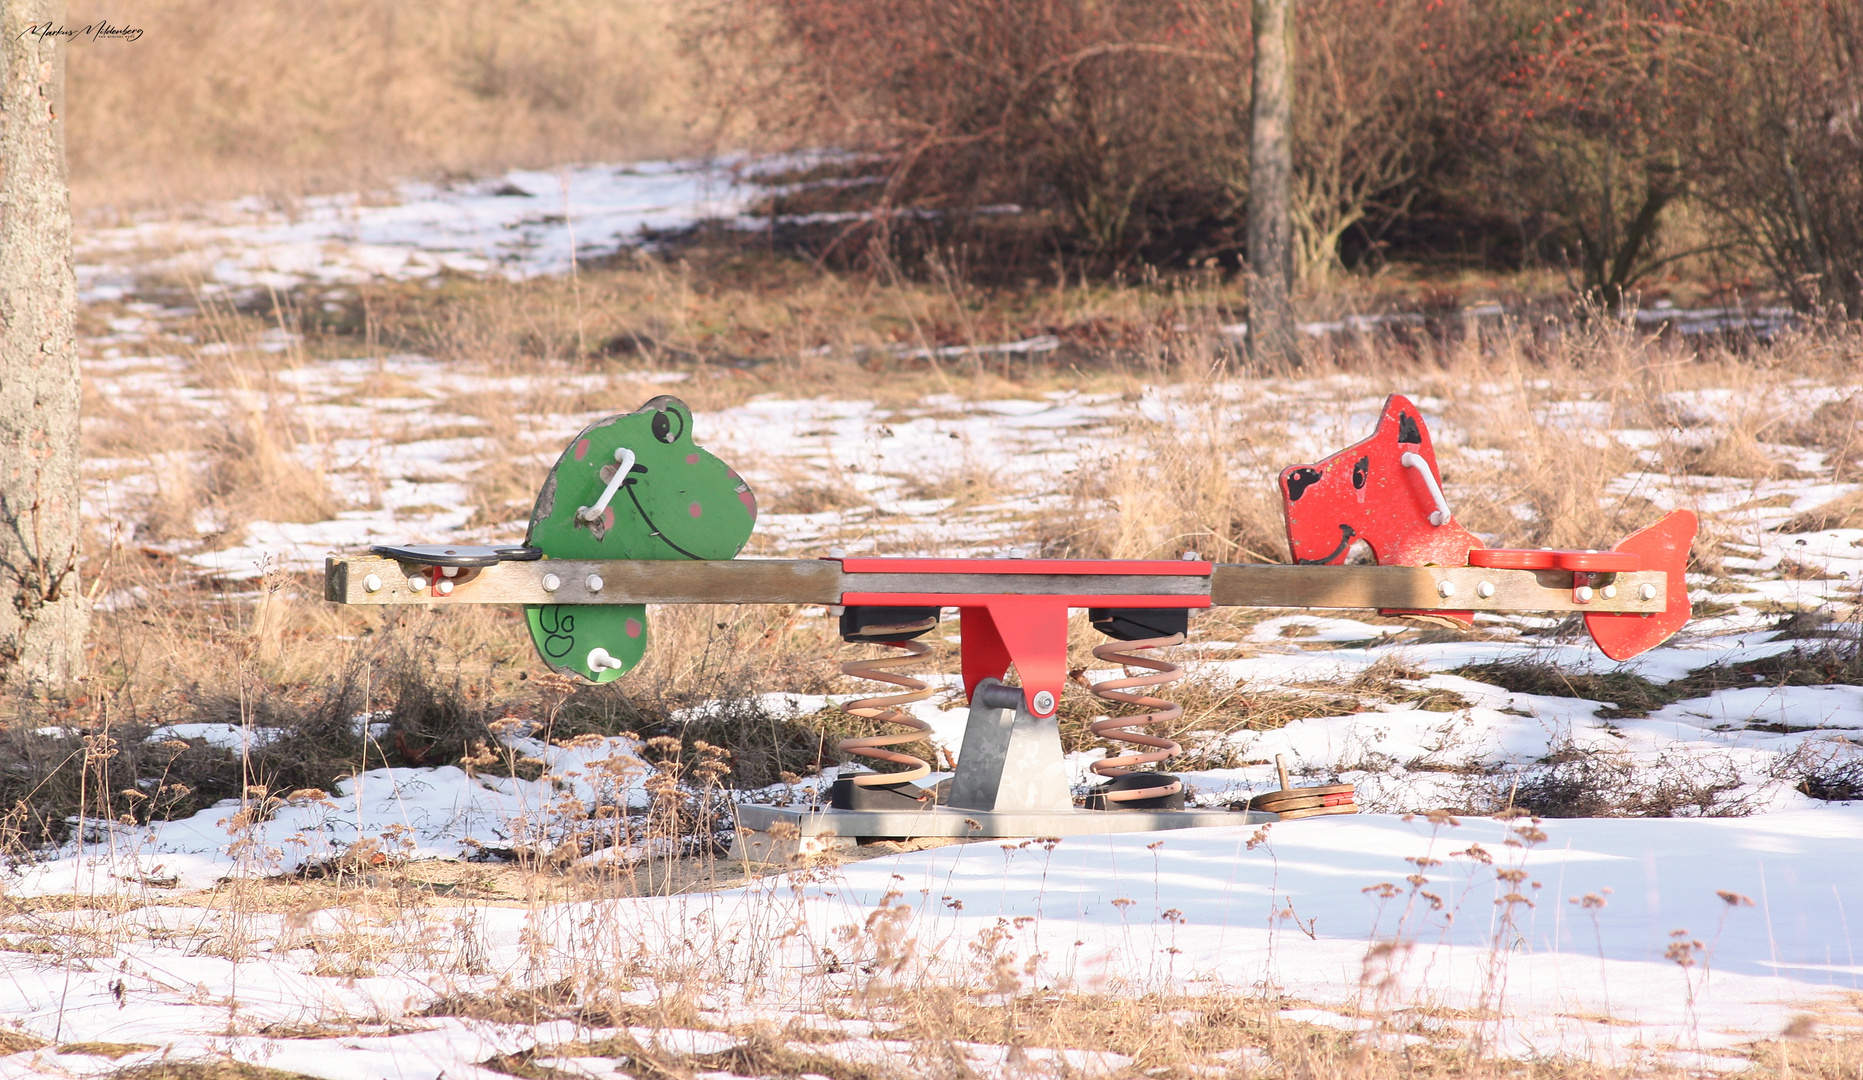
x: 416, y: 582
x: 372, y: 583
x: 1582, y: 594
x: 551, y: 583
x: 444, y: 587
x: 1043, y: 702
x: 1485, y: 589
x: 449, y: 571
x: 594, y: 583
x: 1445, y: 589
x: 1647, y: 592
x: 1610, y: 592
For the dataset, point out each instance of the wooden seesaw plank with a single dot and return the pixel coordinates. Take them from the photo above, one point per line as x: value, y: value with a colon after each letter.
x: 1422, y: 588
x: 822, y: 581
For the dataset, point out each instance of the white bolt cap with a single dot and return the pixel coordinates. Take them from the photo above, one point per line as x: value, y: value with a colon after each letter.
x: 449, y: 571
x: 1043, y: 702
x: 594, y: 583
x: 416, y: 582
x: 372, y: 583
x: 599, y: 660
x: 1582, y: 594
x: 1445, y: 588
x: 444, y: 587
x: 1610, y: 592
x: 1484, y: 589
x: 551, y: 583
x: 1647, y: 591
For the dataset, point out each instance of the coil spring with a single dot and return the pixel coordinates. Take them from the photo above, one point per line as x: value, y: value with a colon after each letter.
x: 886, y: 709
x: 1118, y: 728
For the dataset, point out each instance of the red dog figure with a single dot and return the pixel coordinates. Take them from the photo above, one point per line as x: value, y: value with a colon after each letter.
x: 1385, y: 491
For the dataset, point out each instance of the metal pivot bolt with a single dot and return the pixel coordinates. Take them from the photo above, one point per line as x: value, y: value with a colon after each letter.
x: 594, y: 583
x: 551, y: 583
x: 1647, y: 591
x: 1582, y: 594
x: 1484, y: 589
x: 1445, y: 589
x: 1610, y: 592
x: 444, y: 587
x: 1043, y: 702
x: 372, y: 583
x: 416, y: 582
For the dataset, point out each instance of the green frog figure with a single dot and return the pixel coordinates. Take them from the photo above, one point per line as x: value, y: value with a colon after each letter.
x: 630, y: 487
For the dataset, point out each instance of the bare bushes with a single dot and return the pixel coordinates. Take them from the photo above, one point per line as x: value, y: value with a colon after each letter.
x: 1123, y: 124
x: 1053, y: 107
x: 1780, y: 151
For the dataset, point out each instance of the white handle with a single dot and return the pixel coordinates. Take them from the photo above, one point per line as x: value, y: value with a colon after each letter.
x: 1413, y: 460
x: 599, y: 660
x: 624, y: 463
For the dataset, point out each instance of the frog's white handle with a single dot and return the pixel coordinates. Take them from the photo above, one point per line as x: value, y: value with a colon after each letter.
x: 624, y: 463
x: 599, y: 660
x: 1413, y: 460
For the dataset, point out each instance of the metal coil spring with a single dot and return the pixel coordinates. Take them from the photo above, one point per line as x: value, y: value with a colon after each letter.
x: 1118, y: 728
x: 886, y: 709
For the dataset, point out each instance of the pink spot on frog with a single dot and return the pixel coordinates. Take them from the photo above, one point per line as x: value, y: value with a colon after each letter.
x: 582, y: 449
x: 692, y: 459
x: 632, y: 627
x: 695, y: 509
x: 608, y: 518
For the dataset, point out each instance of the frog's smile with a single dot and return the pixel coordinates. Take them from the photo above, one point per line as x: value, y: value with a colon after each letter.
x: 628, y: 486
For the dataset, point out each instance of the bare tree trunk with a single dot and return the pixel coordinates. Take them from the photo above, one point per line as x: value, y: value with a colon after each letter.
x: 42, y: 610
x: 1270, y: 186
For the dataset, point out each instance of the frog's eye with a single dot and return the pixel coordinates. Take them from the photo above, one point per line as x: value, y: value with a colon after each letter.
x: 668, y: 425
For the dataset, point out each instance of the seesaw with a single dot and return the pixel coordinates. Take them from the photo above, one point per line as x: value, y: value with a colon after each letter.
x: 635, y: 513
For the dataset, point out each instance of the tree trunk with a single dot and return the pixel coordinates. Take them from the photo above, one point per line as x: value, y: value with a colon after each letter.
x: 42, y: 610
x: 1270, y: 186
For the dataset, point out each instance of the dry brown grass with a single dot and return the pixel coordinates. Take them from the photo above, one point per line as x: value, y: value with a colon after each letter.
x: 1843, y: 512
x: 218, y: 100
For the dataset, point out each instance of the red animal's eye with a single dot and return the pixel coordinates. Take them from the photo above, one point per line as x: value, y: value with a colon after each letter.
x: 1299, y: 481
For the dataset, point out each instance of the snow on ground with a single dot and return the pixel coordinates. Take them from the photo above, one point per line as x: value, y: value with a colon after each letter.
x: 1579, y: 955
x: 522, y: 224
x: 1563, y: 940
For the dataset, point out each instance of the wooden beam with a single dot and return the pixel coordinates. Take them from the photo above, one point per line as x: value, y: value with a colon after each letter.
x: 1421, y: 588
x: 821, y: 581
x: 736, y: 581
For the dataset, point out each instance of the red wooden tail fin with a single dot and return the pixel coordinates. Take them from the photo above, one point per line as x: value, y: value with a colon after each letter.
x: 1663, y: 546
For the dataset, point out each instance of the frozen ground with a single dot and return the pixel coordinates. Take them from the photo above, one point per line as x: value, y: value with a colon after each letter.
x: 1580, y: 955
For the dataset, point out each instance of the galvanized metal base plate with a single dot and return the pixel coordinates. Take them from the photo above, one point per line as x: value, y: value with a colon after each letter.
x: 952, y: 821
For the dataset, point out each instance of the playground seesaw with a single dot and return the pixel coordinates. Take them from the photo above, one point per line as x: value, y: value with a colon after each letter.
x: 635, y: 513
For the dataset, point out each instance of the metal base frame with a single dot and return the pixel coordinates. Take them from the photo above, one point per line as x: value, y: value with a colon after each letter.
x: 1011, y: 781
